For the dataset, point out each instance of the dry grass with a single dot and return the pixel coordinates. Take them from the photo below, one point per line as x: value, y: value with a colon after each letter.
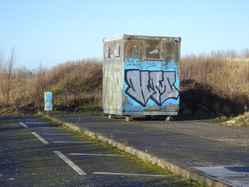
x: 217, y: 82
x: 71, y: 83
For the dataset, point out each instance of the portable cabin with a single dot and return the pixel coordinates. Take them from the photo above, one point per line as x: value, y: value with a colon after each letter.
x: 141, y: 75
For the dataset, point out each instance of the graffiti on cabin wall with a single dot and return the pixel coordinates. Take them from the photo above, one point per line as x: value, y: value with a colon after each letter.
x: 131, y: 107
x: 151, y: 81
x: 155, y: 85
x: 150, y: 64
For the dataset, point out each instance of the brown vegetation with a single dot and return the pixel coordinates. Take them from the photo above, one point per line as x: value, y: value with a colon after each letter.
x: 71, y: 83
x: 216, y: 83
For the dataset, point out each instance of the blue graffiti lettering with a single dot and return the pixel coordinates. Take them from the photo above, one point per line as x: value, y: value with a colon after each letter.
x: 172, y: 65
x: 130, y: 107
x: 155, y: 85
x: 133, y: 62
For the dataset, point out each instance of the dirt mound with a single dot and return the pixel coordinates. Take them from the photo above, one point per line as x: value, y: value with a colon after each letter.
x: 18, y: 111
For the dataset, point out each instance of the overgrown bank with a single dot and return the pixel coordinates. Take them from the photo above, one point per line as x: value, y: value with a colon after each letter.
x: 215, y: 83
x: 211, y: 84
x: 72, y: 83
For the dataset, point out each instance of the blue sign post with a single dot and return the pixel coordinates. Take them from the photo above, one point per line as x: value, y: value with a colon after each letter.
x: 48, y: 101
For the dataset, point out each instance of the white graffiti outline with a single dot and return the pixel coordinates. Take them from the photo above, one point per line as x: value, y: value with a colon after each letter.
x: 144, y: 85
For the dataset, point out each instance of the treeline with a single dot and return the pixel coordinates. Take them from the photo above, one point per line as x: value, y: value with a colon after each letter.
x: 73, y: 82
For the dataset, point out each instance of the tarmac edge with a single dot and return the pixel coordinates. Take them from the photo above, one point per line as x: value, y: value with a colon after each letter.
x: 187, y: 173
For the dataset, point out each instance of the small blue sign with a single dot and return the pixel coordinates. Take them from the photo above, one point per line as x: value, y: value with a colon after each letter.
x: 48, y: 101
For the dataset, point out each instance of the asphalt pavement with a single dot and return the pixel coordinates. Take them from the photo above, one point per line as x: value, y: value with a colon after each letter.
x: 35, y: 152
x: 209, y: 161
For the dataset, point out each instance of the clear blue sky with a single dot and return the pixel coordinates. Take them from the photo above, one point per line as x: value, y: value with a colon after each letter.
x: 52, y: 32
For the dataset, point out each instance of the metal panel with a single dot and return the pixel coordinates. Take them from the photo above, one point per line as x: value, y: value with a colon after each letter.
x: 141, y: 75
x: 112, y: 78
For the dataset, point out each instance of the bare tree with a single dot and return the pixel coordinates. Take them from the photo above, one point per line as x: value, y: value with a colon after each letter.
x: 1, y: 61
x: 22, y: 73
x: 40, y: 79
x: 7, y: 73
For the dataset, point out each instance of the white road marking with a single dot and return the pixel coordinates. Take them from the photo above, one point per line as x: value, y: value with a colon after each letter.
x: 45, y: 127
x: 70, y: 163
x: 87, y: 154
x: 72, y: 142
x: 25, y: 126
x: 129, y: 174
x: 57, y: 134
x: 37, y: 122
x: 40, y: 138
